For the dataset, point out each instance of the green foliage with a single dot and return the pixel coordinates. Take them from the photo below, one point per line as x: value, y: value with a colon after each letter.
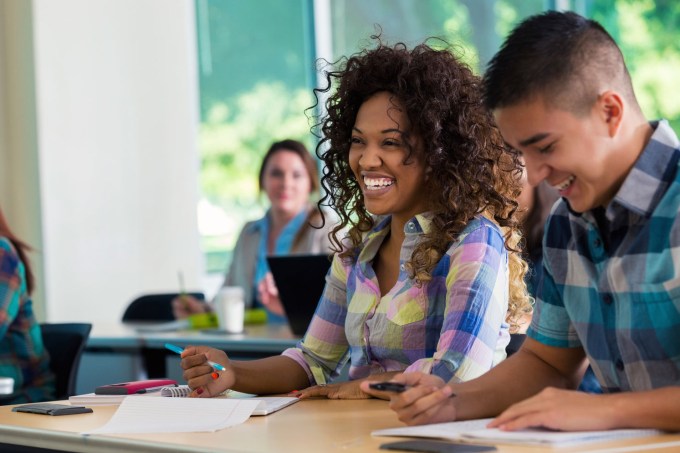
x: 647, y: 32
x: 233, y: 140
x: 260, y: 81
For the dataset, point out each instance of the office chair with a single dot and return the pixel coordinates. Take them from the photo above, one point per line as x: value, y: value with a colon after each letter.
x: 149, y: 308
x: 65, y: 343
x: 153, y: 307
x: 516, y: 340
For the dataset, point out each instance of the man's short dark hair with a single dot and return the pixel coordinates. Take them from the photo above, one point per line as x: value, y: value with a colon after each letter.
x: 564, y: 58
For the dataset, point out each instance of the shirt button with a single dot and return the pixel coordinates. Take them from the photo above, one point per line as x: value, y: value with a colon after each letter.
x: 411, y: 226
x: 402, y: 267
x: 607, y: 298
x: 619, y: 365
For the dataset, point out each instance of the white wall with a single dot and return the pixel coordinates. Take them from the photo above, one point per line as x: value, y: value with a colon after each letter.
x: 19, y: 178
x: 117, y: 115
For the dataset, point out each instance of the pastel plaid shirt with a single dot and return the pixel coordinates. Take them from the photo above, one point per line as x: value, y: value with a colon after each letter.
x: 22, y: 355
x: 453, y: 326
x: 614, y: 289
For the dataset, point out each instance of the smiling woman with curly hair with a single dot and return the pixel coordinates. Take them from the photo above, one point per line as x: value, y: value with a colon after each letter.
x: 471, y: 173
x: 427, y: 275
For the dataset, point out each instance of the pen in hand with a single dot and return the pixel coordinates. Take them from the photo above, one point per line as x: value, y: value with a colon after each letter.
x: 396, y: 387
x: 179, y: 350
x: 388, y: 386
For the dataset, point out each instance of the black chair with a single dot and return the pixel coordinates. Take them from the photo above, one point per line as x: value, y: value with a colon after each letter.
x: 153, y: 307
x: 65, y: 343
x: 516, y: 340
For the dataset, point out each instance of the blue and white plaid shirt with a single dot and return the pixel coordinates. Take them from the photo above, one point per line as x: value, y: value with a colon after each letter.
x: 614, y: 289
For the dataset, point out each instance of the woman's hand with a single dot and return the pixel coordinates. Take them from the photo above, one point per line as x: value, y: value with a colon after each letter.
x: 342, y: 391
x: 269, y: 295
x: 202, y: 378
x: 184, y: 306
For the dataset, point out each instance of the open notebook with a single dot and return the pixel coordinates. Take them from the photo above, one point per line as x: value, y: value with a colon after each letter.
x: 475, y: 431
x: 266, y: 406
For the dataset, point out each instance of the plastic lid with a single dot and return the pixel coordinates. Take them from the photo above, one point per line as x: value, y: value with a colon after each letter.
x: 232, y: 291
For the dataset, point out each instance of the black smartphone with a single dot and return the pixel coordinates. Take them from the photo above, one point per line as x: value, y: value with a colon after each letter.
x: 51, y: 409
x: 388, y: 386
x: 435, y: 446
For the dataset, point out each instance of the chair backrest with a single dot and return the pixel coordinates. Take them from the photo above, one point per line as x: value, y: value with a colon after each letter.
x: 516, y: 340
x: 65, y: 343
x: 153, y: 307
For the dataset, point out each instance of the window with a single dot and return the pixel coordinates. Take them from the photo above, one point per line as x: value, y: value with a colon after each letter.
x: 257, y: 72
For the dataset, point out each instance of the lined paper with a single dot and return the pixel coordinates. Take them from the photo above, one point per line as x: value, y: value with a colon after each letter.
x: 173, y: 415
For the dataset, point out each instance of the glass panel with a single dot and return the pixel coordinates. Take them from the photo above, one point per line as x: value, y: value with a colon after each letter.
x: 648, y: 33
x: 476, y: 27
x: 257, y: 71
x: 256, y: 63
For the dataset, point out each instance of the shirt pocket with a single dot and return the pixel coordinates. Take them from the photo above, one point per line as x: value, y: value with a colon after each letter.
x: 408, y: 307
x: 655, y: 320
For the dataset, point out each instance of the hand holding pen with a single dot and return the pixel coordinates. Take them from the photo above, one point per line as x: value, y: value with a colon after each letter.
x: 416, y: 397
x: 179, y: 351
x: 205, y: 384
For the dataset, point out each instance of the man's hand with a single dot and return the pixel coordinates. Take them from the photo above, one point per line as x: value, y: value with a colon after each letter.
x: 564, y: 410
x: 428, y: 400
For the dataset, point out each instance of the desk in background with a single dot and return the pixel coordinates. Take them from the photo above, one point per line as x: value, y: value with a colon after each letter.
x: 114, y: 351
x: 316, y: 425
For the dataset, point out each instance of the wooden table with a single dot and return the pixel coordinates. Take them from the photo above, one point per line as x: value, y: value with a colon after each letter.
x: 316, y: 425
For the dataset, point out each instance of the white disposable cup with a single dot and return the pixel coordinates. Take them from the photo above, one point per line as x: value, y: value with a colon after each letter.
x: 230, y: 308
x: 6, y: 385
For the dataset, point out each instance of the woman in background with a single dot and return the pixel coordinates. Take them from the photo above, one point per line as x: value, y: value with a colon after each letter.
x: 288, y: 177
x: 22, y: 354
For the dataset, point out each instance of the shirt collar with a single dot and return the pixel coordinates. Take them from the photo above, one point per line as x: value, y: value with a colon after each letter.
x: 419, y: 224
x: 652, y: 173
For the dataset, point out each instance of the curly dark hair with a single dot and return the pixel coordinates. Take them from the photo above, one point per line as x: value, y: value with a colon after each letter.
x: 471, y: 171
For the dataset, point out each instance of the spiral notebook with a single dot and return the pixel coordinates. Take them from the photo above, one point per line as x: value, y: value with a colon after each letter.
x: 267, y: 404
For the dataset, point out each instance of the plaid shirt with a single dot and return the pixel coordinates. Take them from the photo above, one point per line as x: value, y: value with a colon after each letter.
x: 22, y: 355
x: 614, y: 289
x: 453, y: 326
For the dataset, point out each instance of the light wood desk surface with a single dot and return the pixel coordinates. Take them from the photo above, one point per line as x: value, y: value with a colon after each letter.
x: 316, y: 425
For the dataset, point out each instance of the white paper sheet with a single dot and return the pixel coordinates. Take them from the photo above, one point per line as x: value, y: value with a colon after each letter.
x: 476, y: 431
x: 173, y: 415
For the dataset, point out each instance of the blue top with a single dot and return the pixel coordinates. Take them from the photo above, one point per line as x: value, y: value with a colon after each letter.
x: 614, y: 288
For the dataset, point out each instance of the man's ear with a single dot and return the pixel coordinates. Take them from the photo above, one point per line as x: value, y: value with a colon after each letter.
x: 610, y: 107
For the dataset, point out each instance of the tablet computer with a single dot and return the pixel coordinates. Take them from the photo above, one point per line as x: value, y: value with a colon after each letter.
x: 300, y: 280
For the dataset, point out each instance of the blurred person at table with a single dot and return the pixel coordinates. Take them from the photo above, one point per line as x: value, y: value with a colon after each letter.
x: 535, y: 203
x: 22, y: 354
x: 292, y: 225
x: 428, y: 275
